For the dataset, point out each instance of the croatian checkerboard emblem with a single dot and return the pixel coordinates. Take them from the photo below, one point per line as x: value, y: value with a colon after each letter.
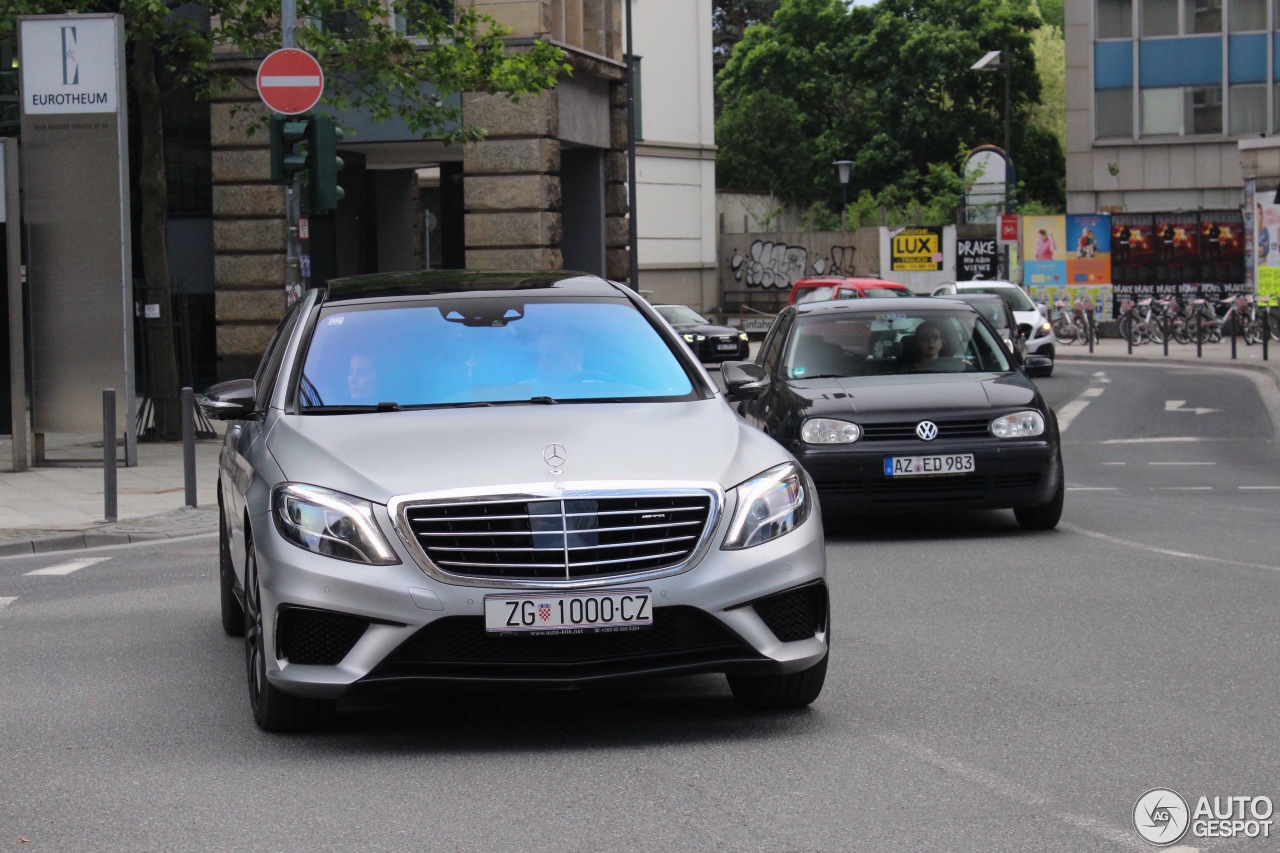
x: 544, y: 612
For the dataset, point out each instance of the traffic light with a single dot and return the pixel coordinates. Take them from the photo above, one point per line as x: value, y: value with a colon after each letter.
x: 307, y: 145
x: 288, y: 147
x: 323, y: 165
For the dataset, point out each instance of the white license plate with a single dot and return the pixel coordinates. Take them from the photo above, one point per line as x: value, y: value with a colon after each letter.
x: 726, y: 347
x: 923, y: 466
x: 568, y: 612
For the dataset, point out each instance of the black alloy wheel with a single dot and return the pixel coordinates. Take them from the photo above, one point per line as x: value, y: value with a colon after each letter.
x: 232, y: 612
x: 273, y: 709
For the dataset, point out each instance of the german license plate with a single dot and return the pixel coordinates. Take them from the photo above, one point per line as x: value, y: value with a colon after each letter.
x: 726, y: 347
x: 924, y: 466
x: 568, y: 612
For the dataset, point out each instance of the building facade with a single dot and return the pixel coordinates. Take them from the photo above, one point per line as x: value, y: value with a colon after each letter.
x: 675, y: 152
x: 1159, y: 93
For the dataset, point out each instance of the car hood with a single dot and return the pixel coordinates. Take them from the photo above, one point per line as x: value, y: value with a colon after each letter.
x: 932, y: 395
x: 705, y: 329
x: 378, y: 456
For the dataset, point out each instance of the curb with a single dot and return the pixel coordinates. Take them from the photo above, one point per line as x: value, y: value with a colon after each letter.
x: 90, y: 539
x: 1176, y: 361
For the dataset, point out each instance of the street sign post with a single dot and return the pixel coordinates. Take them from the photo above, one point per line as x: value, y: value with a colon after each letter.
x: 290, y: 81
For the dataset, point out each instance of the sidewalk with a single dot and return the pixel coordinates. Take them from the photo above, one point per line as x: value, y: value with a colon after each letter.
x: 60, y: 508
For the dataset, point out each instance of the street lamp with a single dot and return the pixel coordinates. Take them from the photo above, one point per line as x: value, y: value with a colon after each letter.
x: 842, y: 168
x: 992, y: 62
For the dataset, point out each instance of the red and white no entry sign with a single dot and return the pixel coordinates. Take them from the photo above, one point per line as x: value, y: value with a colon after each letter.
x: 290, y: 81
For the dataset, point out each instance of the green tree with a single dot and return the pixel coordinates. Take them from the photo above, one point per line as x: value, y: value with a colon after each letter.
x: 730, y: 19
x: 368, y: 65
x: 888, y: 86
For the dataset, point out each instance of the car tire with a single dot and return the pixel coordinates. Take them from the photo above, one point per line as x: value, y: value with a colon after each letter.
x: 1045, y: 517
x: 273, y: 709
x: 232, y: 612
x: 780, y: 692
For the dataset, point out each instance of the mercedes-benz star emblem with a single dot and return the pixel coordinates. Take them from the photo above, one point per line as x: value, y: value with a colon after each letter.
x: 555, y: 456
x: 927, y: 430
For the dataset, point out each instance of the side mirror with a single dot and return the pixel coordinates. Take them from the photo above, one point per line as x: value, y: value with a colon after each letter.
x: 230, y: 401
x: 1038, y: 365
x: 744, y: 380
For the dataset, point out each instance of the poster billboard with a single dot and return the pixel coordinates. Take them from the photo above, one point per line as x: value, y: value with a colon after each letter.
x: 1222, y: 246
x: 1133, y: 249
x: 1044, y: 248
x: 1177, y: 248
x: 916, y: 250
x: 1088, y: 248
x: 1266, y: 249
x: 976, y: 259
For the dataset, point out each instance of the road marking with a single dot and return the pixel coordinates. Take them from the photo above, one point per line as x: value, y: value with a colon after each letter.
x: 1163, y: 551
x: 1068, y: 413
x: 1100, y: 373
x: 1182, y: 463
x: 1164, y: 440
x: 1182, y: 488
x: 1258, y: 488
x: 1034, y: 802
x: 1176, y: 406
x: 1092, y: 488
x: 68, y: 568
x: 1093, y: 392
x: 1113, y: 463
x: 5, y: 601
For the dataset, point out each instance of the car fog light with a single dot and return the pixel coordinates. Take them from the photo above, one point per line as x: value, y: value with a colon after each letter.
x: 829, y: 431
x: 1018, y: 425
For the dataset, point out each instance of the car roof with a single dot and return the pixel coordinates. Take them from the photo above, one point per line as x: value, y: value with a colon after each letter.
x: 856, y: 281
x: 880, y: 303
x: 985, y: 283
x: 444, y: 282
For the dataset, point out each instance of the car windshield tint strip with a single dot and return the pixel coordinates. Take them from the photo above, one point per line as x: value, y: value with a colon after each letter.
x: 486, y: 351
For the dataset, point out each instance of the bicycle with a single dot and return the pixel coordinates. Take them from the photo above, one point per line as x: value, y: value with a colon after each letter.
x: 1242, y: 315
x: 1076, y: 325
x: 1133, y: 326
x: 1208, y: 326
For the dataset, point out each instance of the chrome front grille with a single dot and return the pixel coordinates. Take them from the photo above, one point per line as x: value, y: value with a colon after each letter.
x: 561, y: 540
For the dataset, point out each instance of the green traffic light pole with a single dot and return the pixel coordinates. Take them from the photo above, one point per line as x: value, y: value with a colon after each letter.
x: 293, y: 281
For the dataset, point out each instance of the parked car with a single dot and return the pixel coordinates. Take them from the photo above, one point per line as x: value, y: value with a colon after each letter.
x: 1035, y: 325
x: 709, y: 342
x: 823, y: 288
x: 504, y: 477
x: 996, y: 312
x: 896, y: 404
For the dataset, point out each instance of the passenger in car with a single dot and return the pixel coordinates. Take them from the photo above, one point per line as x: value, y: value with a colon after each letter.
x: 922, y: 349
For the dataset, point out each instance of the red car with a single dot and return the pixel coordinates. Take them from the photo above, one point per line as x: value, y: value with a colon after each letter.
x: 827, y: 287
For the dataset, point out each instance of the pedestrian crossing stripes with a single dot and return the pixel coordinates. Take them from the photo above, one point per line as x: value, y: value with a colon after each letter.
x: 5, y: 601
x: 68, y: 568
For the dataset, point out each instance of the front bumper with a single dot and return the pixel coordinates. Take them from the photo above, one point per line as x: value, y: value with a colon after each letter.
x: 416, y: 628
x: 1007, y: 474
x: 709, y: 350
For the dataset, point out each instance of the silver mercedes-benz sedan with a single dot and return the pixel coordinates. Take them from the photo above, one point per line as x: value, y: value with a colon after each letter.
x: 515, y: 478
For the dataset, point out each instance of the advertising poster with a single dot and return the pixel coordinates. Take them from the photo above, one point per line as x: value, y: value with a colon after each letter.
x: 916, y: 250
x: 1177, y: 241
x: 976, y: 259
x: 1250, y: 190
x: 1266, y: 251
x: 1222, y: 246
x: 1045, y: 251
x: 1133, y: 250
x: 1089, y: 242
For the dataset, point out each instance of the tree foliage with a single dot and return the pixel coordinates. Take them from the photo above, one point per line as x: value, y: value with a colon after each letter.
x: 730, y: 19
x: 889, y: 87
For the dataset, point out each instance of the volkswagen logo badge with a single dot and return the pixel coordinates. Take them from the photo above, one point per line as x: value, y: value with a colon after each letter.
x: 555, y: 455
x: 927, y: 430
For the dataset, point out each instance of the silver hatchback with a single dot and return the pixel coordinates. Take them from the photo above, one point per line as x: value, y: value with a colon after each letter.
x: 505, y: 478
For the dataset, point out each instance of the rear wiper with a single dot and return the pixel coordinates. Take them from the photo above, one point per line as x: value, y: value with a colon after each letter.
x: 543, y: 400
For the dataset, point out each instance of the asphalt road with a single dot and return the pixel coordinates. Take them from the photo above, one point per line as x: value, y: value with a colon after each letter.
x: 989, y: 689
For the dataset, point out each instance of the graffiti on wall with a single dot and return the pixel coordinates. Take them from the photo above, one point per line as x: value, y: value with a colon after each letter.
x: 780, y: 265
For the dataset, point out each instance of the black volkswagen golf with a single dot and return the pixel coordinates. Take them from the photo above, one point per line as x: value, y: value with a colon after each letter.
x: 905, y: 404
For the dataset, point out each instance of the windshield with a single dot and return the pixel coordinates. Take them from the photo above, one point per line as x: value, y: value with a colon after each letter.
x: 822, y: 293
x: 877, y: 343
x: 1018, y: 301
x: 994, y: 310
x: 483, y: 350
x: 885, y: 291
x: 681, y: 315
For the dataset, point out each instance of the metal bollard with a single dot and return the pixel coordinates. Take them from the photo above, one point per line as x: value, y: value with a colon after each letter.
x: 1168, y: 330
x: 1233, y: 338
x: 109, y: 453
x: 1266, y: 335
x: 1129, y: 337
x: 1091, y: 330
x: 189, y: 445
x: 1199, y: 335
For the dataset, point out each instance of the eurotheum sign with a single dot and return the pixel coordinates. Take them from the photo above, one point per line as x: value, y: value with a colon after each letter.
x: 69, y: 66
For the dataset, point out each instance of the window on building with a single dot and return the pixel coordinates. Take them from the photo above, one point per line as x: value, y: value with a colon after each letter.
x: 1113, y: 113
x: 407, y: 16
x: 1161, y: 112
x: 1115, y: 19
x: 1203, y: 16
x: 1248, y: 15
x: 1248, y: 109
x: 1159, y: 18
x: 1202, y: 110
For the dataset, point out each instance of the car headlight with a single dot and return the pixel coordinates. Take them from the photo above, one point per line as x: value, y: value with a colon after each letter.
x: 829, y: 431
x: 742, y: 336
x: 1046, y: 327
x: 769, y: 505
x: 1018, y: 425
x: 688, y: 338
x: 330, y: 523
